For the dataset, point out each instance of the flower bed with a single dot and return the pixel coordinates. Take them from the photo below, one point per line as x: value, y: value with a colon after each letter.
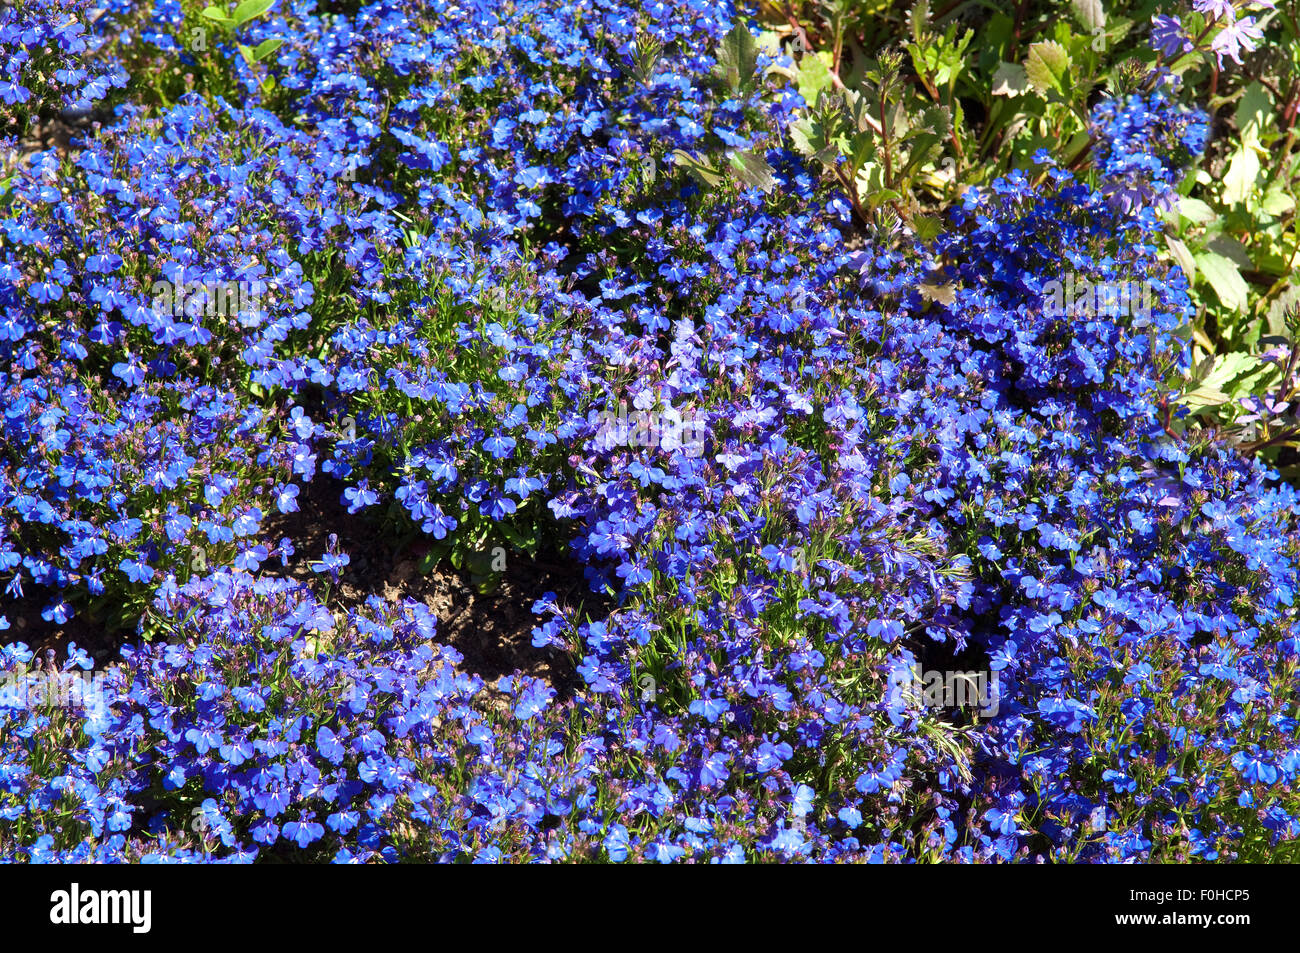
x: 426, y: 254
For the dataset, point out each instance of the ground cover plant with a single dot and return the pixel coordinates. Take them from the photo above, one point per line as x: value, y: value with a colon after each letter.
x: 864, y: 432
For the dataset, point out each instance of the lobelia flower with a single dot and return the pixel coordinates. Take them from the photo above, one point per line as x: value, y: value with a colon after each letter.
x: 1234, y: 38
x: 1167, y: 36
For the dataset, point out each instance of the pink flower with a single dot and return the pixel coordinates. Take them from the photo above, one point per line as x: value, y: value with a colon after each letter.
x: 1235, y: 37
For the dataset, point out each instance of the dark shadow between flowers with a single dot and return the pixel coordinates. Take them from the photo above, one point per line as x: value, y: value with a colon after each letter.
x: 491, y: 628
x: 42, y: 636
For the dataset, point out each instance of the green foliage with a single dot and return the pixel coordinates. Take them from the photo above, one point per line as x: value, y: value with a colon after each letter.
x: 909, y: 105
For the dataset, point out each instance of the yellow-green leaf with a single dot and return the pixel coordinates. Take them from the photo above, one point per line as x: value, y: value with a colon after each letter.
x: 1224, y: 278
x: 1010, y: 80
x: 250, y: 9
x: 1048, y: 67
x: 1182, y: 256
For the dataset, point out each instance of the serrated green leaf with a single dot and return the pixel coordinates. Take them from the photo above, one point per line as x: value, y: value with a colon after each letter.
x: 1225, y: 378
x: 1047, y: 66
x: 1224, y: 278
x: 738, y: 57
x: 1235, y: 371
x: 701, y: 170
x: 927, y: 227
x: 1089, y: 13
x: 801, y: 134
x: 752, y: 168
x: 937, y: 120
x: 1010, y: 80
x: 814, y: 76
x: 920, y: 19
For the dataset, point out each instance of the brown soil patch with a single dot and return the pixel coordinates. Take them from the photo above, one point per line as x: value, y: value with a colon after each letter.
x: 491, y: 629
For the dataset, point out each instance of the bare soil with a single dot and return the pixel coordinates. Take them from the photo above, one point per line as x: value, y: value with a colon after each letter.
x: 491, y: 629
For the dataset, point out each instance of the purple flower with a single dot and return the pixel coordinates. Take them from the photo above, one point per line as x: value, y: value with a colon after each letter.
x: 1215, y: 9
x: 1167, y: 36
x: 1235, y: 37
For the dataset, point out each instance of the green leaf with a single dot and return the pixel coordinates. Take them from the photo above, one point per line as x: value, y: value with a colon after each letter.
x: 1224, y: 278
x: 1194, y: 210
x: 266, y: 48
x: 752, y: 168
x: 927, y: 227
x: 1243, y: 169
x: 769, y: 42
x: 1182, y: 256
x: 1234, y: 373
x: 220, y: 16
x: 1074, y: 147
x: 920, y: 19
x: 250, y: 9
x: 801, y: 134
x: 1286, y: 302
x: 880, y: 197
x: 738, y: 57
x: 1253, y: 109
x: 1010, y: 80
x: 1232, y: 249
x: 708, y: 175
x: 814, y: 76
x: 1224, y: 377
x: 1048, y: 67
x: 514, y: 537
x: 937, y: 120
x: 1276, y: 202
x: 1090, y: 14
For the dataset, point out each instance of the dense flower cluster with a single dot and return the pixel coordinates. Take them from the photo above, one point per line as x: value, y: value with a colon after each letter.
x: 474, y: 234
x: 48, y: 50
x: 1144, y: 143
